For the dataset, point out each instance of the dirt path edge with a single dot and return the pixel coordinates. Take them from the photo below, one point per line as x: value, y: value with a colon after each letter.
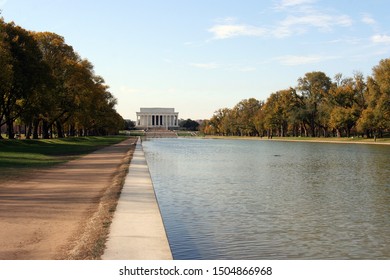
x: 88, y: 243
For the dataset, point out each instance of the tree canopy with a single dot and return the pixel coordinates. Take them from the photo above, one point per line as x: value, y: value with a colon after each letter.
x: 49, y: 89
x: 189, y: 124
x: 316, y: 106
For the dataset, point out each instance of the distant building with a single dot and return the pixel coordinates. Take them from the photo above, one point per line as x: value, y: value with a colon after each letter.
x: 157, y: 118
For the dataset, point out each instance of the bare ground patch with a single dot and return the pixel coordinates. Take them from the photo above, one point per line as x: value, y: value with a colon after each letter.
x: 63, y: 212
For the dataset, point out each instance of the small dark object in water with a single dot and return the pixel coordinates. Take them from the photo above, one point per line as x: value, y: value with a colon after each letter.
x: 276, y: 155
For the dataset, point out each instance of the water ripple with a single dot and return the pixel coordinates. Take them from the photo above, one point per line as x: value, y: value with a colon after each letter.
x: 230, y: 199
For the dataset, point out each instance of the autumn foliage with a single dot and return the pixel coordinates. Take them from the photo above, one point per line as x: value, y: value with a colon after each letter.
x: 49, y: 90
x: 317, y: 106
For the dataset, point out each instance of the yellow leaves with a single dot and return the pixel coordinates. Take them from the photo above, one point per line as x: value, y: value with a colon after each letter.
x: 322, y: 105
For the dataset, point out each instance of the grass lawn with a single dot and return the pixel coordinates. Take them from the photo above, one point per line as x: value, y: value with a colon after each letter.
x: 16, y: 154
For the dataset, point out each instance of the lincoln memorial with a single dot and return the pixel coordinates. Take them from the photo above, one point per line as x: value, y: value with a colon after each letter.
x: 157, y: 118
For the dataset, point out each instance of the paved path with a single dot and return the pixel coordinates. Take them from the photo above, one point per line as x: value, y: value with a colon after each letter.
x: 137, y: 231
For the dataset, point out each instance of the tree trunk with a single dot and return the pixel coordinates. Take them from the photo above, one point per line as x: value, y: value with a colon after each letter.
x: 35, y: 128
x: 10, y: 128
x: 72, y: 130
x: 306, y: 134
x: 29, y: 130
x: 312, y: 128
x: 325, y: 131
x: 45, y: 129
x: 60, y: 130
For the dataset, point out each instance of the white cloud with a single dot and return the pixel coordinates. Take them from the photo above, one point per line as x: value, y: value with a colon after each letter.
x: 368, y: 19
x: 299, y: 18
x: 291, y: 3
x: 210, y: 65
x: 380, y: 39
x: 294, y: 60
x: 224, y: 31
x: 226, y: 20
x: 224, y: 67
x: 301, y: 15
x: 343, y: 20
x: 346, y: 40
x: 300, y: 24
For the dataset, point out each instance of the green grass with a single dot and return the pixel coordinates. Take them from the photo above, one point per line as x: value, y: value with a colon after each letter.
x: 16, y: 154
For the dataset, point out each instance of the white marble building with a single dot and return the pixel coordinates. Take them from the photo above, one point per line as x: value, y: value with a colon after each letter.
x: 157, y: 118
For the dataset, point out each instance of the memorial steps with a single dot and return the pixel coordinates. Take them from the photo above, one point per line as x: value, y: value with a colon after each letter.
x: 158, y: 132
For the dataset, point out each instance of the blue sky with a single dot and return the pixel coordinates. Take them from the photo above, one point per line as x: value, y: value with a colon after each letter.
x: 198, y: 56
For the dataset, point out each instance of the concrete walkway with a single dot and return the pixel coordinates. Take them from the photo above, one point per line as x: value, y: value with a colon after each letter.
x: 137, y: 231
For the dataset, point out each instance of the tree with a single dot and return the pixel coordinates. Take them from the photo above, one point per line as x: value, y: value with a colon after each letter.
x: 189, y: 125
x: 6, y: 76
x: 218, y: 123
x: 129, y: 125
x: 375, y: 117
x: 345, y: 102
x: 317, y: 106
x: 23, y: 74
x: 67, y: 72
x: 314, y: 88
x: 279, y: 112
x: 46, y: 85
x: 258, y: 120
x: 78, y: 101
x: 244, y: 115
x: 205, y: 127
x: 273, y: 119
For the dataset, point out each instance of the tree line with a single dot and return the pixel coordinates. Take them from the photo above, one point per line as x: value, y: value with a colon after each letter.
x: 317, y: 107
x: 49, y: 90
